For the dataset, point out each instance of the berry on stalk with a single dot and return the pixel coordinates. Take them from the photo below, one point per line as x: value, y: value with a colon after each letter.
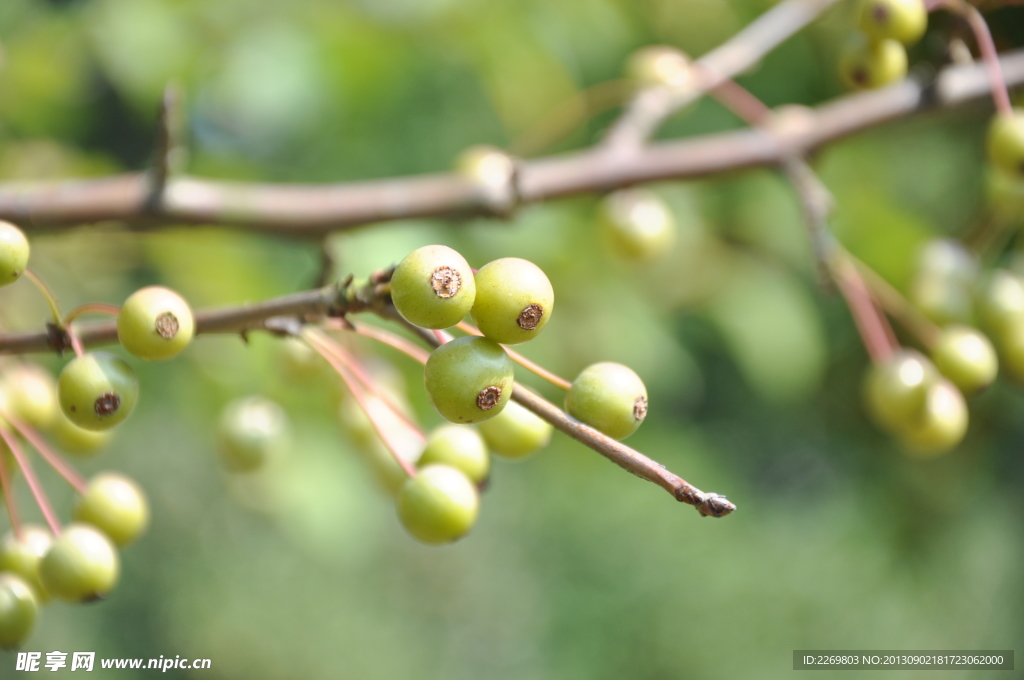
x: 439, y: 505
x: 901, y: 20
x: 18, y: 610
x: 514, y: 300
x: 433, y: 287
x: 1006, y: 142
x: 252, y: 431
x: 14, y: 251
x: 967, y: 358
x: 896, y: 389
x: 515, y: 433
x: 81, y: 565
x: 115, y: 505
x: 22, y: 555
x: 469, y: 379
x: 460, y: 447
x: 609, y: 397
x: 866, y: 65
x: 97, y: 391
x: 155, y: 324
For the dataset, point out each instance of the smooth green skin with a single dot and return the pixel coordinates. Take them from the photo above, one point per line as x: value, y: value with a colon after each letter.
x: 252, y: 431
x: 14, y: 251
x: 864, y: 64
x: 458, y: 371
x: 504, y: 288
x: 948, y: 259
x: 1000, y: 303
x: 658, y: 65
x: 299, y: 361
x: 31, y: 395
x: 1011, y: 351
x: 1006, y: 142
x: 896, y: 389
x: 22, y: 557
x: 415, y: 297
x: 138, y: 321
x: 81, y: 565
x: 115, y: 505
x: 87, y: 378
x: 439, y: 505
x: 72, y: 439
x: 515, y: 433
x: 901, y: 20
x: 942, y: 423
x: 18, y: 610
x: 460, y: 447
x: 604, y: 396
x: 637, y: 225
x: 967, y: 358
x: 942, y: 299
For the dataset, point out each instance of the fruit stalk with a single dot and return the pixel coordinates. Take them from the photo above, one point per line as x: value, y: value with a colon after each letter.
x: 52, y: 458
x: 30, y: 478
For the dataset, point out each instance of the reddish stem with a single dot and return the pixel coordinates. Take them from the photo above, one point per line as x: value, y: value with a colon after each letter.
x: 987, y: 47
x: 515, y: 356
x: 393, y: 341
x: 874, y: 329
x: 30, y: 478
x: 91, y: 308
x: 54, y: 460
x: 8, y: 488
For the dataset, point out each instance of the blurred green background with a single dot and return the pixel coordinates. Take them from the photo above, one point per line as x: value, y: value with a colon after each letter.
x: 575, y: 568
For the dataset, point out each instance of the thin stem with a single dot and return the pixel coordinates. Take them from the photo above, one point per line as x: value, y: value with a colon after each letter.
x: 872, y: 326
x: 738, y: 99
x: 90, y: 308
x: 986, y: 46
x: 352, y: 364
x: 76, y: 342
x: 537, y: 369
x: 900, y: 308
x: 51, y: 300
x: 356, y: 390
x: 54, y: 459
x: 7, y: 487
x: 390, y: 339
x: 30, y: 479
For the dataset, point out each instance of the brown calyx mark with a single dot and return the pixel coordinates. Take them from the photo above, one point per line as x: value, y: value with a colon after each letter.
x: 860, y: 76
x: 488, y: 397
x: 167, y: 325
x: 640, y: 407
x: 446, y: 282
x: 530, y: 317
x: 107, y: 404
x: 880, y: 13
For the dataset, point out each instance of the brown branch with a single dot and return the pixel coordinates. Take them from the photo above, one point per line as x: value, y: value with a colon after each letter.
x: 310, y: 209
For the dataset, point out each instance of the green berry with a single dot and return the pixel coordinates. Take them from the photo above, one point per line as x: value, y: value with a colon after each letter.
x: 460, y: 447
x: 967, y: 358
x: 637, y: 224
x: 943, y: 300
x: 1000, y: 303
x: 468, y: 379
x: 252, y: 431
x: 299, y: 360
x: 515, y: 432
x: 901, y: 20
x: 438, y: 505
x: 13, y: 253
x: 488, y: 167
x: 896, y: 389
x: 31, y: 395
x: 514, y: 300
x: 81, y: 565
x: 1011, y: 350
x: 71, y: 438
x: 867, y: 65
x: 155, y: 324
x: 1006, y: 142
x: 97, y: 391
x: 658, y: 65
x: 115, y: 505
x: 942, y: 423
x: 22, y: 555
x: 433, y: 287
x: 18, y: 610
x: 609, y: 397
x: 948, y: 259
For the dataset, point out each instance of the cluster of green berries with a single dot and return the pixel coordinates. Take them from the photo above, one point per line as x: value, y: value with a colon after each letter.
x: 79, y: 565
x: 876, y: 55
x: 1006, y: 143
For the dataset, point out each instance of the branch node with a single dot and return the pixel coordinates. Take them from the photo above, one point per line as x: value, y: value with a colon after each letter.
x: 57, y: 339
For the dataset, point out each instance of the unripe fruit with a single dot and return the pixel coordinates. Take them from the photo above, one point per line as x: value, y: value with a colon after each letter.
x: 1006, y: 142
x: 1011, y: 351
x: 865, y: 64
x: 966, y: 357
x: 656, y: 65
x: 22, y: 556
x: 299, y: 360
x: 941, y: 299
x: 252, y: 431
x: 31, y: 395
x: 468, y: 379
x: 438, y: 505
x: 72, y: 439
x: 433, y: 287
x: 514, y: 300
x: 896, y: 389
x: 1000, y: 303
x: 97, y: 390
x: 515, y: 432
x: 18, y: 610
x: 115, y: 505
x: 388, y: 473
x: 609, y: 397
x: 948, y: 259
x: 902, y: 20
x: 942, y: 422
x: 637, y: 224
x: 81, y: 565
x: 155, y: 324
x: 460, y: 447
x: 14, y: 252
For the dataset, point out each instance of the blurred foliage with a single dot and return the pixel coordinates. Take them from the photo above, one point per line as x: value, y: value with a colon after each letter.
x: 576, y: 569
